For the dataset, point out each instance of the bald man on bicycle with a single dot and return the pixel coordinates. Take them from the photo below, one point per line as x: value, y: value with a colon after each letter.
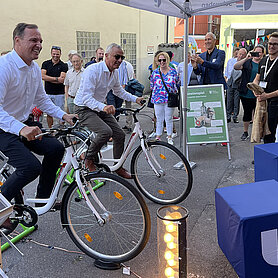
x: 98, y: 79
x: 21, y: 89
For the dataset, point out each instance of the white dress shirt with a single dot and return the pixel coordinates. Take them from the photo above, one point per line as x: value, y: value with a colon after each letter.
x: 72, y: 80
x: 126, y: 72
x: 21, y: 89
x: 180, y: 70
x: 96, y: 82
x: 230, y: 66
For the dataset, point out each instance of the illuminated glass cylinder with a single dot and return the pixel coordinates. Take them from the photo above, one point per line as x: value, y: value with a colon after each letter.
x: 171, y: 240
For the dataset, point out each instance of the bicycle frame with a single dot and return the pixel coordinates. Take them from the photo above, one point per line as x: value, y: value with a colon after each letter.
x: 137, y: 132
x: 69, y: 162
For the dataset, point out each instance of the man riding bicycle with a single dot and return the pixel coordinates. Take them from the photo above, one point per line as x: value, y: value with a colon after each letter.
x: 98, y: 79
x: 21, y: 89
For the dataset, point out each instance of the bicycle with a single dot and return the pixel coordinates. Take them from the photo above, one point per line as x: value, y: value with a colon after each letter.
x: 160, y: 171
x: 103, y: 214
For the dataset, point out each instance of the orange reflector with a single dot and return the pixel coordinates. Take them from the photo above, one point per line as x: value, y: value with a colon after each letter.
x: 118, y: 195
x: 161, y: 191
x: 162, y: 156
x: 88, y: 237
x: 1, y: 183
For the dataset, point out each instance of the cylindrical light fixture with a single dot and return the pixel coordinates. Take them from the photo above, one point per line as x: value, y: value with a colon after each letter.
x: 171, y: 236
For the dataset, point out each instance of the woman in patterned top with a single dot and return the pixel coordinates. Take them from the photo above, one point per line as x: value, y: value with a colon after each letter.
x: 160, y: 95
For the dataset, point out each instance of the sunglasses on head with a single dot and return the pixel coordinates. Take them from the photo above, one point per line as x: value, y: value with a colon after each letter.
x: 161, y: 60
x: 56, y: 47
x: 117, y: 57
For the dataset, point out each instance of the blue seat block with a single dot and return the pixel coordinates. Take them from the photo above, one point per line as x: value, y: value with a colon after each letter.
x: 247, y: 223
x: 266, y: 162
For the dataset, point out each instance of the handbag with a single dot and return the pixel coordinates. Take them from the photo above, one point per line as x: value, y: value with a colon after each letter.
x: 173, y: 98
x: 150, y: 104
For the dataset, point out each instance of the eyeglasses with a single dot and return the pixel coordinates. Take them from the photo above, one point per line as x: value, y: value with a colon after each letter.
x: 56, y: 47
x: 275, y: 44
x: 117, y: 57
x: 161, y: 60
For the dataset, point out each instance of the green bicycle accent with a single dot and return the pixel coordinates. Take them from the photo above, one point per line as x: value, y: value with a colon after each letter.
x: 26, y: 232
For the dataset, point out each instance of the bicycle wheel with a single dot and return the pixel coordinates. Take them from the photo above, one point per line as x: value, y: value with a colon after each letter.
x: 175, y: 180
x: 127, y: 229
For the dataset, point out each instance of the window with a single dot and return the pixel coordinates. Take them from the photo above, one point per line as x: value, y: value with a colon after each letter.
x: 87, y: 43
x: 128, y: 44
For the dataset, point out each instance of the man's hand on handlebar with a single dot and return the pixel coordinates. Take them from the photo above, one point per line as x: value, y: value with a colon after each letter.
x: 30, y: 132
x: 109, y: 109
x: 140, y: 100
x: 69, y: 118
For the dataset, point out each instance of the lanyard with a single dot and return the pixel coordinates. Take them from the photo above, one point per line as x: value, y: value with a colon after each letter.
x: 267, y: 72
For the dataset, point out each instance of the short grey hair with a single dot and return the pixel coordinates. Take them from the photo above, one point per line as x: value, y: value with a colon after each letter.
x: 78, y: 55
x: 211, y: 34
x: 112, y: 45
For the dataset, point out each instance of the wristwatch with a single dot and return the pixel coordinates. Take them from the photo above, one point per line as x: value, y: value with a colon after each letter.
x: 57, y: 79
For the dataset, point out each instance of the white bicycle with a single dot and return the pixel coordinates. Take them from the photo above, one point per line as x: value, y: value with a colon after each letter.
x: 160, y: 171
x: 104, y: 215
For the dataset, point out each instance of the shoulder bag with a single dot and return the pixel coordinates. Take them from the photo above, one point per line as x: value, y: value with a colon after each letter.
x: 173, y: 98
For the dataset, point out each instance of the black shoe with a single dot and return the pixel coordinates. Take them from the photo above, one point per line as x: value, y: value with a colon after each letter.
x: 8, y: 226
x: 244, y: 136
x: 228, y: 120
x: 236, y: 121
x: 57, y: 205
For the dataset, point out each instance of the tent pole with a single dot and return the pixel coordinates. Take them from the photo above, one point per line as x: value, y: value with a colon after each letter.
x: 185, y: 78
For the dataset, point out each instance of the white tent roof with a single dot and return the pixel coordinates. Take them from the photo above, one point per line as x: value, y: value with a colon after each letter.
x: 204, y: 7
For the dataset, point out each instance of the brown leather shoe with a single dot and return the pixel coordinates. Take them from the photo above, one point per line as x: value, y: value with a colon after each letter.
x: 123, y: 173
x: 89, y: 163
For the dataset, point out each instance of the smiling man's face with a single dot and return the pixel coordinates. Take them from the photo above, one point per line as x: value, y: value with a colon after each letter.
x: 29, y: 46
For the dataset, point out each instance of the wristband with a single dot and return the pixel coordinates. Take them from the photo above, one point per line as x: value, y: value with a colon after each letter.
x: 56, y: 79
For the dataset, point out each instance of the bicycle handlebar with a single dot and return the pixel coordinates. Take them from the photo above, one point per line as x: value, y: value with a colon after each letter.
x: 134, y: 111
x: 65, y: 129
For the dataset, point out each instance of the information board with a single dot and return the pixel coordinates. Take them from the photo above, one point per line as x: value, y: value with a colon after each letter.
x: 206, y: 119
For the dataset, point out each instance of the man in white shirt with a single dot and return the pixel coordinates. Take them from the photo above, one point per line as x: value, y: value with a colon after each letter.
x: 98, y: 79
x: 230, y: 64
x: 21, y: 89
x: 72, y: 81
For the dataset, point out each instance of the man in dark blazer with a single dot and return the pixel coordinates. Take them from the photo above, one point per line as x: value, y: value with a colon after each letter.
x: 210, y: 64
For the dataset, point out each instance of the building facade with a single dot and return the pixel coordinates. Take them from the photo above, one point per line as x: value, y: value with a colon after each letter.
x: 87, y: 24
x: 245, y: 31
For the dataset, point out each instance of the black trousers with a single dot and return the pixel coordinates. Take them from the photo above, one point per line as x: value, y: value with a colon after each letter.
x: 28, y: 167
x: 272, y: 109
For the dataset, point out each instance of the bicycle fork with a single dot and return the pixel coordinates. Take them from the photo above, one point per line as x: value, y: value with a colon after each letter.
x: 106, y: 216
x: 150, y: 159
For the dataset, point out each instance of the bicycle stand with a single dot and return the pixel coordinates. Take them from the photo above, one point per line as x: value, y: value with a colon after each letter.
x: 7, y: 269
x: 107, y: 265
x: 26, y: 232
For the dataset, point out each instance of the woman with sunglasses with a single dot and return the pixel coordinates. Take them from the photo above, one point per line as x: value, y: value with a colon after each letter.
x: 164, y: 80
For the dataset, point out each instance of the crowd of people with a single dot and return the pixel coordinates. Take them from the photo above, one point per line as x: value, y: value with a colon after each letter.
x: 92, y: 94
x: 208, y: 68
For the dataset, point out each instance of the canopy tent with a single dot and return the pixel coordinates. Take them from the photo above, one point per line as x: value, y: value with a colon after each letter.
x: 186, y: 9
x: 203, y: 7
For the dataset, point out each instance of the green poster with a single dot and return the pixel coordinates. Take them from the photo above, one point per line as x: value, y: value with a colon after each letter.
x: 206, y: 120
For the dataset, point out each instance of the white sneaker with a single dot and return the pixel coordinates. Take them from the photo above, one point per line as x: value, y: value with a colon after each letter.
x: 152, y: 135
x: 170, y: 141
x: 174, y: 134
